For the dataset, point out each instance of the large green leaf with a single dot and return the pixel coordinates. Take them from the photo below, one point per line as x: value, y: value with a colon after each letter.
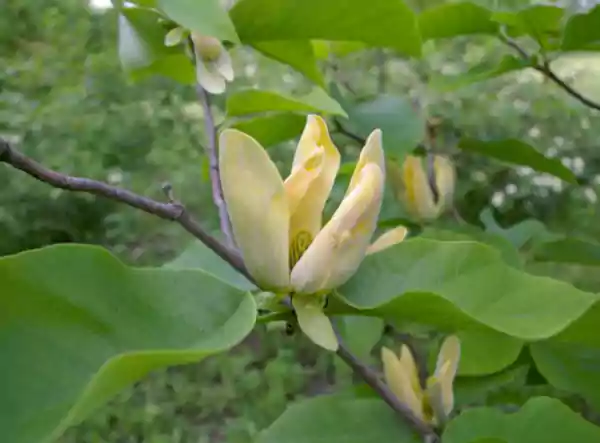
x: 402, y: 127
x: 541, y: 419
x: 199, y: 256
x: 298, y: 54
x: 520, y: 153
x: 77, y: 326
x: 360, y: 333
x: 338, y: 419
x: 450, y: 284
x: 387, y: 23
x: 569, y: 250
x: 469, y: 391
x: 482, y: 72
x: 454, y: 19
x: 272, y: 129
x: 206, y: 17
x: 251, y: 101
x: 582, y: 31
x: 475, y: 346
x: 571, y: 367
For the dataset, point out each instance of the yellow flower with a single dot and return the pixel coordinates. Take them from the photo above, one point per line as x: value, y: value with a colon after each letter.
x: 413, y: 187
x: 278, y: 225
x: 435, y: 403
x: 213, y: 63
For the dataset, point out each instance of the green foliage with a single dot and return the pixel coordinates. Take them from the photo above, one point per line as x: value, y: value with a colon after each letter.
x: 338, y: 418
x: 79, y: 326
x: 541, y: 419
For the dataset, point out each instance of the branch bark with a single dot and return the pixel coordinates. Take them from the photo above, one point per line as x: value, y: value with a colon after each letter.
x: 213, y: 162
x: 173, y: 210
x: 545, y: 69
x: 427, y: 433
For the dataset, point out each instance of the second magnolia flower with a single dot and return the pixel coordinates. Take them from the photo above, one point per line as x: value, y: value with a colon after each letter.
x: 278, y: 225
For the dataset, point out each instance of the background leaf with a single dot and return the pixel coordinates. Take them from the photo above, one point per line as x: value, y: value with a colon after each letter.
x: 253, y: 101
x: 298, y: 54
x: 454, y: 19
x: 206, y: 17
x: 582, y: 31
x: 520, y: 153
x: 272, y: 129
x: 388, y: 23
x: 541, y: 419
x: 78, y: 326
x: 340, y: 419
x: 359, y: 333
x: 569, y: 250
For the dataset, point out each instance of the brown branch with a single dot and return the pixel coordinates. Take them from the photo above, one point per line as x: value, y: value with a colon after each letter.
x: 545, y: 69
x: 174, y: 211
x: 215, y: 175
x: 351, y: 135
x: 427, y: 433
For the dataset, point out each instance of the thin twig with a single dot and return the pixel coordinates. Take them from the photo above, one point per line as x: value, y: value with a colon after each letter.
x: 342, y: 130
x: 215, y: 175
x: 545, y: 69
x: 426, y: 432
x: 173, y: 210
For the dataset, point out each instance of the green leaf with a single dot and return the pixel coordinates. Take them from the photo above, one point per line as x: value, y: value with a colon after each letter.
x: 385, y: 23
x: 360, y: 333
x: 298, y: 54
x: 78, y: 326
x: 476, y: 358
x: 272, y: 129
x: 538, y: 21
x: 252, y: 101
x: 469, y: 391
x: 402, y: 127
x: 454, y: 19
x: 199, y: 256
x: 142, y: 50
x: 571, y: 367
x: 338, y: 419
x: 480, y: 73
x: 509, y: 253
x: 582, y: 31
x: 520, y: 153
x: 453, y: 284
x: 518, y: 234
x: 541, y: 419
x: 206, y: 17
x: 569, y: 250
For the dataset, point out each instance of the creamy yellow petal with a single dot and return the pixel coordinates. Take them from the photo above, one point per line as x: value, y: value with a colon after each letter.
x: 388, y: 239
x: 445, y: 370
x: 257, y: 205
x: 224, y: 65
x: 314, y: 323
x: 337, y: 251
x: 445, y: 179
x: 400, y: 382
x: 314, y: 168
x: 372, y: 153
x: 409, y: 366
x: 418, y: 196
x: 209, y: 78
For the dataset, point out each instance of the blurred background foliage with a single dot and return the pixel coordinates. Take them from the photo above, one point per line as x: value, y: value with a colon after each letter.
x: 65, y: 100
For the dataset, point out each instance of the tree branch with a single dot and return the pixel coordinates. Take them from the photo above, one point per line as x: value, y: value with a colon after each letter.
x: 215, y: 175
x: 426, y: 432
x: 342, y: 130
x: 545, y: 69
x: 173, y: 210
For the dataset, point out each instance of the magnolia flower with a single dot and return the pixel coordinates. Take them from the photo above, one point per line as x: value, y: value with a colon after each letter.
x: 213, y: 63
x: 278, y: 224
x: 414, y: 188
x: 434, y: 403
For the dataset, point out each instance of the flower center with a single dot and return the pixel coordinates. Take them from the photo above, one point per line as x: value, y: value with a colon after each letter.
x: 298, y: 246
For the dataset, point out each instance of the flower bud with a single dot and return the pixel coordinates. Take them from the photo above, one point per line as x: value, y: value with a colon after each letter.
x: 213, y: 63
